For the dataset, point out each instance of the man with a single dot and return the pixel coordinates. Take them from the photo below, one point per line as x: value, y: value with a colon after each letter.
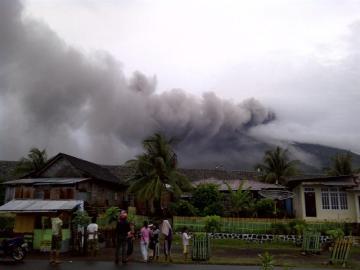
x: 56, y: 239
x: 121, y: 234
x: 92, y: 231
x: 166, y: 230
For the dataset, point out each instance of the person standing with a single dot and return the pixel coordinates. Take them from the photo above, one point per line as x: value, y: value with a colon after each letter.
x: 56, y: 238
x: 154, y: 241
x: 121, y: 235
x: 130, y: 240
x: 92, y: 239
x: 185, y: 241
x: 144, y: 241
x: 166, y: 230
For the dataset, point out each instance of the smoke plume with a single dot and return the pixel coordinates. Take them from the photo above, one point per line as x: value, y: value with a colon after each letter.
x: 55, y: 96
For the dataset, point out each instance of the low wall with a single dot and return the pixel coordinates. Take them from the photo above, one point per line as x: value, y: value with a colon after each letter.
x: 261, y: 238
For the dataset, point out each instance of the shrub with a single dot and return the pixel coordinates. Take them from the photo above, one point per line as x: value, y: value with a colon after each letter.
x: 112, y: 214
x: 266, y: 261
x: 297, y: 226
x: 212, y: 224
x: 207, y: 199
x: 265, y: 207
x: 81, y: 218
x: 213, y: 209
x: 7, y: 221
x: 280, y: 228
x: 183, y: 208
x: 336, y: 234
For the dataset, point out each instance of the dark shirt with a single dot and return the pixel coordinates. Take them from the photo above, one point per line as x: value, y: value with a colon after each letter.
x: 122, y: 229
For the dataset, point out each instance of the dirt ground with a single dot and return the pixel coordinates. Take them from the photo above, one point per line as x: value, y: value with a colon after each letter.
x: 229, y: 255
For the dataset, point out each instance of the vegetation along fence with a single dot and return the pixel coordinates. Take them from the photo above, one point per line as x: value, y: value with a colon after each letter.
x: 248, y: 225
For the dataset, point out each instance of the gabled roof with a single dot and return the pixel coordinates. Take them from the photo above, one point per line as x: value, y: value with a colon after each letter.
x: 45, y: 181
x: 343, y: 180
x: 236, y: 183
x: 89, y: 169
x: 38, y: 206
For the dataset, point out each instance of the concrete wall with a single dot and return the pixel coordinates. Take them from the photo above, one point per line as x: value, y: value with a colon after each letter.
x: 349, y: 215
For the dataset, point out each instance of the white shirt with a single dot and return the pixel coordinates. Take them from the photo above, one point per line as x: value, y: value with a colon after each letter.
x: 56, y: 224
x: 185, y: 239
x: 91, y: 229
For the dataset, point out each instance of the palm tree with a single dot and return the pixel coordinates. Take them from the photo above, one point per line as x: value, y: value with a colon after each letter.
x: 155, y: 172
x: 240, y: 200
x: 34, y: 161
x: 277, y: 167
x: 341, y: 165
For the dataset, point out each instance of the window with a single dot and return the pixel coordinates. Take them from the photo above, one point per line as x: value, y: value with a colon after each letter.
x: 333, y: 198
x: 325, y: 198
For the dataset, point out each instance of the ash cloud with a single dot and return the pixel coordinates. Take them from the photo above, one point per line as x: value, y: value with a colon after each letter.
x: 55, y: 96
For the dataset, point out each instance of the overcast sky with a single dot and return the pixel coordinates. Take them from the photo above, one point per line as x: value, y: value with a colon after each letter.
x: 67, y: 78
x: 297, y: 57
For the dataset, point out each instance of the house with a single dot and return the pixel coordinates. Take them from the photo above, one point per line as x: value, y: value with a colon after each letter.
x: 65, y: 177
x: 33, y: 220
x: 326, y: 198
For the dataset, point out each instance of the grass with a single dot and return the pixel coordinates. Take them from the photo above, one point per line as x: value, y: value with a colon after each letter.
x: 287, y: 255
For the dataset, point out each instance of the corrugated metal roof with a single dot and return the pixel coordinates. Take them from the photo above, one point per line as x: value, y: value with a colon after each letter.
x: 235, y: 184
x: 36, y: 206
x: 46, y: 181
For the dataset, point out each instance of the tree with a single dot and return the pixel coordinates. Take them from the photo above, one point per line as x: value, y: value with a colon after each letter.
x: 207, y: 199
x: 240, y: 200
x: 34, y: 161
x: 341, y: 165
x: 277, y: 167
x: 155, y: 172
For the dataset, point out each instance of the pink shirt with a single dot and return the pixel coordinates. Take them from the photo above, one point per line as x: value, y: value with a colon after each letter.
x: 145, y: 235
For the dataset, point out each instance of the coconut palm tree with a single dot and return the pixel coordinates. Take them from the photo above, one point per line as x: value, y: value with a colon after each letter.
x: 277, y: 167
x: 35, y: 160
x: 341, y: 165
x: 155, y: 172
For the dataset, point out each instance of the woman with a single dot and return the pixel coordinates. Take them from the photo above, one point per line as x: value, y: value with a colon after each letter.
x: 166, y: 230
x: 144, y: 241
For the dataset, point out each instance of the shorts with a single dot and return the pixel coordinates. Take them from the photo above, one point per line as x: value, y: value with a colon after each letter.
x: 56, y: 242
x: 185, y: 249
x: 92, y: 244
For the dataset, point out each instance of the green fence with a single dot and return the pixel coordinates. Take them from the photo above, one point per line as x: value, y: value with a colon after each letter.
x: 247, y: 225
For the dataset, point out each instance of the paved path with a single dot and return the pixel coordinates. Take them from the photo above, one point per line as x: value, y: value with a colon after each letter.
x: 96, y: 265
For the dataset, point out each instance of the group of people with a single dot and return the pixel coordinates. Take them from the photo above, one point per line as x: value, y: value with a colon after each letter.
x: 125, y: 235
x: 149, y: 239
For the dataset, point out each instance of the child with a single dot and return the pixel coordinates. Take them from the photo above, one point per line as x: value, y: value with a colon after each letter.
x: 144, y: 241
x: 92, y: 231
x: 154, y: 242
x: 185, y: 242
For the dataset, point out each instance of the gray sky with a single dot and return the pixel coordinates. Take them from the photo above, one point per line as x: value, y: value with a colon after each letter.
x: 295, y: 56
x: 70, y: 84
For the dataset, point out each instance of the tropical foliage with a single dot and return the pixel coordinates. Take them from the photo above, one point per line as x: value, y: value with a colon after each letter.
x: 212, y: 224
x: 341, y: 165
x: 35, y: 160
x: 208, y: 200
x: 183, y: 208
x: 81, y: 218
x: 241, y: 200
x: 155, y: 172
x: 277, y: 167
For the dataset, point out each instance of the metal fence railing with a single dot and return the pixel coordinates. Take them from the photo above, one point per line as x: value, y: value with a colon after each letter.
x: 247, y: 225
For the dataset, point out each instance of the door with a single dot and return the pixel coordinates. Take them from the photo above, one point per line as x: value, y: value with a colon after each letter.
x: 310, y: 202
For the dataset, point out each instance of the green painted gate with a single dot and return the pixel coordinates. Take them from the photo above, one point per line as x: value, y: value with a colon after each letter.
x: 311, y: 242
x: 200, y: 247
